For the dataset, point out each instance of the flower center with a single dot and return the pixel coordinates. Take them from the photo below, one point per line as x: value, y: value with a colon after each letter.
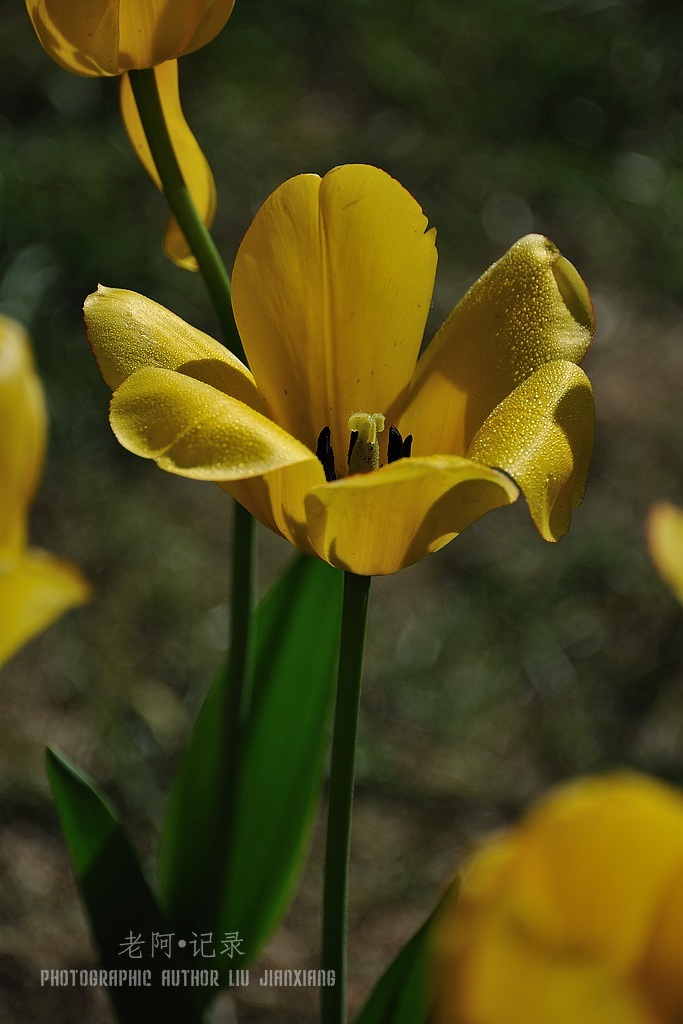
x: 363, y: 455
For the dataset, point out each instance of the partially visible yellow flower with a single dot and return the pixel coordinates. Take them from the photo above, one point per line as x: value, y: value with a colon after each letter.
x: 108, y: 37
x: 35, y: 587
x: 111, y: 37
x: 331, y: 289
x: 194, y: 166
x: 665, y: 541
x: 573, y: 917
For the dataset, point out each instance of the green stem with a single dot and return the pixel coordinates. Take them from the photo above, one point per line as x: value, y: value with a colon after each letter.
x: 212, y: 269
x: 342, y: 775
x: 146, y: 93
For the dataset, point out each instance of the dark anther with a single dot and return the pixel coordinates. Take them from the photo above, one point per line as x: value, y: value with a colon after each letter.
x: 325, y: 454
x: 397, y: 448
x: 352, y: 443
x: 394, y: 445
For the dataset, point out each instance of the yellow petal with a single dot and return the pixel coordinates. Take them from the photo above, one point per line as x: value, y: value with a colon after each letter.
x: 106, y: 37
x: 35, y: 589
x: 605, y: 852
x: 542, y: 435
x: 193, y: 164
x: 516, y: 982
x: 331, y: 290
x: 665, y: 541
x: 193, y: 430
x: 22, y: 430
x: 373, y: 524
x: 81, y: 35
x: 660, y: 974
x: 529, y: 308
x: 152, y: 31
x: 277, y: 499
x: 214, y: 15
x: 127, y: 332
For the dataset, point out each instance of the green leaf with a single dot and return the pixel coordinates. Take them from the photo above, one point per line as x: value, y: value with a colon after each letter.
x: 403, y: 994
x: 117, y: 898
x: 238, y: 876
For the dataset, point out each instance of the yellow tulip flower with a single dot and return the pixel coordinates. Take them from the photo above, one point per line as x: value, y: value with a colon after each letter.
x: 108, y: 37
x: 331, y: 289
x: 573, y: 917
x: 665, y: 541
x: 35, y: 587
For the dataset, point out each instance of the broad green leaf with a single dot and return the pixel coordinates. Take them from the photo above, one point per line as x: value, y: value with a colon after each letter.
x: 238, y: 876
x: 403, y: 994
x: 118, y: 900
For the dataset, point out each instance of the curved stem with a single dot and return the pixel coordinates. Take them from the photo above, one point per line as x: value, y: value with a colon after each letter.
x: 212, y: 269
x: 342, y: 776
x: 146, y: 93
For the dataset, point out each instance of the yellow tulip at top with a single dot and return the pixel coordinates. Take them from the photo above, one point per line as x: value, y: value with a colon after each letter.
x: 108, y: 37
x: 338, y: 437
x: 573, y: 917
x: 35, y: 587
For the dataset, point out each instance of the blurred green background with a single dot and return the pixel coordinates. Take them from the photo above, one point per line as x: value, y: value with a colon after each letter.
x: 496, y: 667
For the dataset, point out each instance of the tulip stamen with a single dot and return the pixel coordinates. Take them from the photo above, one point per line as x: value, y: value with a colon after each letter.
x: 325, y: 454
x: 363, y: 454
x: 364, y: 446
x: 398, y: 448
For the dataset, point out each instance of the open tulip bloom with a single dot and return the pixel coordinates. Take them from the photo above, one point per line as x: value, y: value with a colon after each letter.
x: 339, y: 437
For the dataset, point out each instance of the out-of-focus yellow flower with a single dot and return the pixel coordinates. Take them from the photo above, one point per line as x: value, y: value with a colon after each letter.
x: 331, y: 289
x: 108, y: 37
x: 573, y: 917
x: 35, y: 587
x: 665, y: 541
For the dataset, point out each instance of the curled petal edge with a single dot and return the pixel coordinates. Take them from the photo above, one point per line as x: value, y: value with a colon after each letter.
x: 377, y: 523
x: 542, y: 435
x: 191, y: 429
x: 127, y: 332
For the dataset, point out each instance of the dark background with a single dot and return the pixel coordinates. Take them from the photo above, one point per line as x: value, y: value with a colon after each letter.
x: 495, y: 668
